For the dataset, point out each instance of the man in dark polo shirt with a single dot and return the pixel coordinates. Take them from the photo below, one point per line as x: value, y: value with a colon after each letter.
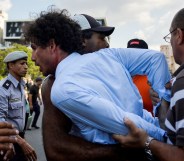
x: 34, y: 96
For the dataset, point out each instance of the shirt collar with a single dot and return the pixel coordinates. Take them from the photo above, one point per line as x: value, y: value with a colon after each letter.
x: 178, y: 70
x: 65, y: 62
x: 15, y: 81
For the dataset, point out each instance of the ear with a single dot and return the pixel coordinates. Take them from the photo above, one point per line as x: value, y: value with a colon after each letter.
x: 84, y: 42
x: 180, y: 36
x: 11, y: 65
x: 52, y: 44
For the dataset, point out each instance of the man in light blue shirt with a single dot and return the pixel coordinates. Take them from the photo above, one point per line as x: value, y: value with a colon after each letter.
x: 95, y: 90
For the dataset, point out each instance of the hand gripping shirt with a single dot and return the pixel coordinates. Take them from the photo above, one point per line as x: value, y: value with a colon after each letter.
x: 96, y: 91
x: 12, y: 102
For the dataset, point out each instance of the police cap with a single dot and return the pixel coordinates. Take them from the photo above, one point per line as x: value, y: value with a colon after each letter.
x: 13, y: 56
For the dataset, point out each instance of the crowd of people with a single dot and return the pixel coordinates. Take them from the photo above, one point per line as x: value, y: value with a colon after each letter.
x: 90, y: 96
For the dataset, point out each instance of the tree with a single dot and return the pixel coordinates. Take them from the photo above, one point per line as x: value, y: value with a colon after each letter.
x: 33, y: 71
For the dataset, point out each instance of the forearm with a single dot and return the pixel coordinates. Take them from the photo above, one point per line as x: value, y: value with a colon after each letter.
x: 162, y: 113
x: 166, y: 152
x: 30, y: 100
x: 84, y: 151
x: 27, y: 149
x: 39, y: 97
x: 81, y: 151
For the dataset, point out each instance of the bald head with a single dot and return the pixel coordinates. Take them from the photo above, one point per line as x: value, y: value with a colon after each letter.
x: 178, y: 20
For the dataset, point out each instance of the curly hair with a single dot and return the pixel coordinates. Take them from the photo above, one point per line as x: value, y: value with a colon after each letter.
x: 56, y: 25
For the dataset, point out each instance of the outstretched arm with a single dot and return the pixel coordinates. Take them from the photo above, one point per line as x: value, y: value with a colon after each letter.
x: 61, y: 146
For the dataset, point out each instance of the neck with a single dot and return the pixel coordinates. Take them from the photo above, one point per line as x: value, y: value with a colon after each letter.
x: 17, y: 77
x: 62, y: 55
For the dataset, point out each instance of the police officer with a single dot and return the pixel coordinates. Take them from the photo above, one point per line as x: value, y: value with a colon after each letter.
x: 12, y: 104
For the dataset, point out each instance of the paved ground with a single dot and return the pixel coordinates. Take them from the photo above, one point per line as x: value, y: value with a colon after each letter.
x: 34, y: 138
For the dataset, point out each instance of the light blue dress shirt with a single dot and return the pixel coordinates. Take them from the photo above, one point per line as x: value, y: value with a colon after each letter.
x: 96, y: 91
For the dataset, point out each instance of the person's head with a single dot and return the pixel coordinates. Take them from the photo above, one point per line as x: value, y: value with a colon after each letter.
x: 17, y: 64
x: 38, y: 81
x: 137, y: 43
x: 53, y: 36
x: 177, y: 36
x: 93, y: 33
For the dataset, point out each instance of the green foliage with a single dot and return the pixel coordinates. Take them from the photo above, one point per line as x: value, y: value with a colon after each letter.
x: 33, y: 71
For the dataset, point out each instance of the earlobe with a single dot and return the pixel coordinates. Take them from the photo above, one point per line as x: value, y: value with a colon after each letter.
x: 52, y: 44
x: 10, y: 66
x: 53, y: 48
x: 84, y: 43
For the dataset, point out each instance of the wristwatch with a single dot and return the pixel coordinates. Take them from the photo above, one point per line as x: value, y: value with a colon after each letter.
x: 149, y: 155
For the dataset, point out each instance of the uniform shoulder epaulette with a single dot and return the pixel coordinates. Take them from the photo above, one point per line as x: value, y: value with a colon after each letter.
x: 7, y: 84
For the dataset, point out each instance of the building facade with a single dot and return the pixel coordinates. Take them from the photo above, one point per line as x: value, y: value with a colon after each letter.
x: 167, y: 50
x: 3, y: 17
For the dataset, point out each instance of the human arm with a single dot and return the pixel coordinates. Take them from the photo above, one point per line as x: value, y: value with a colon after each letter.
x: 28, y: 150
x: 30, y: 101
x: 88, y: 109
x: 59, y: 144
x: 147, y: 62
x: 137, y: 138
x: 163, y: 107
x: 154, y: 97
x: 39, y: 96
x: 162, y: 112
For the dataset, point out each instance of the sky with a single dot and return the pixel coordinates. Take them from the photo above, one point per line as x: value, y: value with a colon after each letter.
x: 144, y: 19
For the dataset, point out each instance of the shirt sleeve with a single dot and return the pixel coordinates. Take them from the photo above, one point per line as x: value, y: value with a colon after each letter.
x: 148, y: 62
x: 3, y: 107
x: 104, y: 114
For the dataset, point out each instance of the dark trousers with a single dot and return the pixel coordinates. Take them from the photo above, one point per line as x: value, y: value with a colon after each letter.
x: 27, y: 115
x: 36, y: 109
